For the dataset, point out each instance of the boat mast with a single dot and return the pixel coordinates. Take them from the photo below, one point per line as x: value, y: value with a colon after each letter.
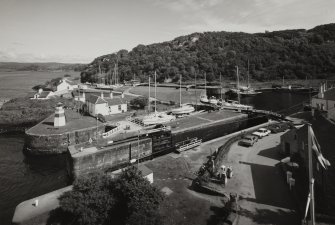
x: 205, y: 86
x: 149, y: 97
x: 310, y: 174
x: 238, y: 85
x: 155, y: 94
x: 220, y: 86
x: 180, y: 91
x: 248, y: 74
x: 195, y: 90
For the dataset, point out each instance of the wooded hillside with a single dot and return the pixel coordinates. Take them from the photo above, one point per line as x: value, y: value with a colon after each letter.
x: 272, y: 55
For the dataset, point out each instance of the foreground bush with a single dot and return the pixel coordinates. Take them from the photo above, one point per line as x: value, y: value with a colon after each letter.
x: 99, y: 199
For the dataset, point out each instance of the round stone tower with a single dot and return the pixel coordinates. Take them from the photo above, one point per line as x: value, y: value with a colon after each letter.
x: 59, y: 119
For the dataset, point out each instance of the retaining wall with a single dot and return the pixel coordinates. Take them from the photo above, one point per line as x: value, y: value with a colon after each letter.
x: 58, y: 143
x: 110, y: 157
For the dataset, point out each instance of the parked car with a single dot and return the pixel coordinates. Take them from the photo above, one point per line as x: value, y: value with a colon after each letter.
x: 275, y: 128
x: 261, y: 132
x: 101, y: 118
x: 248, y: 140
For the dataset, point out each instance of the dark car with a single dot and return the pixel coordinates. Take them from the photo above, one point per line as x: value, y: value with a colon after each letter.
x: 101, y: 118
x: 248, y: 140
x: 275, y: 128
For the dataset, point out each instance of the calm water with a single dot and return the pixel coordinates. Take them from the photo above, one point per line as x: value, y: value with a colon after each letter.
x: 22, y: 177
x: 18, y: 83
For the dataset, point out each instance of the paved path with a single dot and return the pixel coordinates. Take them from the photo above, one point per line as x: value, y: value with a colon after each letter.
x: 258, y: 179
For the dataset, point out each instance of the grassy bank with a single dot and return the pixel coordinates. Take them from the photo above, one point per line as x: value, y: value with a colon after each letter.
x: 25, y: 112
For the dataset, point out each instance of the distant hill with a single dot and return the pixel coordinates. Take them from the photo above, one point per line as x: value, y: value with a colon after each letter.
x: 291, y: 54
x: 50, y: 66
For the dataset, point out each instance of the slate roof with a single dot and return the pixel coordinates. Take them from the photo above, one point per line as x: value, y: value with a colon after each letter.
x: 114, y: 101
x: 94, y: 99
x: 330, y: 94
x: 44, y: 94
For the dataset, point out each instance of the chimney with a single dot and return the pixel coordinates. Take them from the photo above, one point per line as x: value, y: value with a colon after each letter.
x: 325, y: 87
x: 40, y: 90
x: 102, y: 95
x: 111, y: 94
x: 122, y: 95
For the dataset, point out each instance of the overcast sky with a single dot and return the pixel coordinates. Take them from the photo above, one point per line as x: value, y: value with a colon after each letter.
x: 80, y: 30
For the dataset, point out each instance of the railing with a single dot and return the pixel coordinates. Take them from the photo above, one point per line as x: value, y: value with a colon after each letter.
x: 112, y: 131
x: 193, y: 143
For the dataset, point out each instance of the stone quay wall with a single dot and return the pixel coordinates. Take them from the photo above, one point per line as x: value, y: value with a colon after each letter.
x: 109, y: 157
x: 212, y: 130
x: 36, y: 144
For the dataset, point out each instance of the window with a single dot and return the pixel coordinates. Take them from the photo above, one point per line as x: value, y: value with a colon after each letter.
x: 119, y: 107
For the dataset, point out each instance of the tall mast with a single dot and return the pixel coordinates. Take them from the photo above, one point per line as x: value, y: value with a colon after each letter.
x: 155, y: 93
x: 180, y: 91
x: 238, y: 86
x: 149, y: 96
x: 283, y: 81
x: 220, y: 86
x: 248, y: 73
x: 205, y: 85
x: 116, y: 73
x: 310, y: 174
x: 195, y: 90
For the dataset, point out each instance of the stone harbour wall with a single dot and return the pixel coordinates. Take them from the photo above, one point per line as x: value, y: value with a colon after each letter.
x: 58, y: 143
x: 109, y: 157
x: 212, y: 130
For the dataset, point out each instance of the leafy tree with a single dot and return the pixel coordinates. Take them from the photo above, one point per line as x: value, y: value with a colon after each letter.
x: 139, y: 102
x: 90, y: 200
x: 99, y: 199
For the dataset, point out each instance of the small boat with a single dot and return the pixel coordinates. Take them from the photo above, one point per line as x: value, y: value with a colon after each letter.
x: 183, y: 108
x: 157, y: 118
x: 234, y: 105
x: 204, y: 99
x: 213, y: 100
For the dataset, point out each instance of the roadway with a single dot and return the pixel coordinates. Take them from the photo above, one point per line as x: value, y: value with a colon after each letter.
x: 258, y: 179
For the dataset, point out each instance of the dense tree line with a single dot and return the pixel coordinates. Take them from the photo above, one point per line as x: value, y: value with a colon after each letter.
x: 292, y: 54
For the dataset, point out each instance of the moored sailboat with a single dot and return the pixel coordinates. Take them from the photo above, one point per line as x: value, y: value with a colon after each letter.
x: 183, y: 108
x: 156, y: 117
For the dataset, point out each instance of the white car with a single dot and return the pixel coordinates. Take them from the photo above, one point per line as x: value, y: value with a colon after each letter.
x: 261, y: 132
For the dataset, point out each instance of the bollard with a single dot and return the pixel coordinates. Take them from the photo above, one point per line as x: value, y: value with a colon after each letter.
x: 288, y: 176
x: 292, y: 183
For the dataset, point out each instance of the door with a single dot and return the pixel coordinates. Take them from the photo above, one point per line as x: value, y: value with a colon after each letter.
x: 287, y: 148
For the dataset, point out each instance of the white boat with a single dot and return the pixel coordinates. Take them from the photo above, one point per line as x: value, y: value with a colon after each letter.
x: 183, y: 108
x: 204, y: 99
x: 213, y: 100
x: 156, y: 117
x: 234, y: 105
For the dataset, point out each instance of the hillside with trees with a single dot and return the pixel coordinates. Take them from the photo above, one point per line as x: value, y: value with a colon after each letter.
x: 292, y: 54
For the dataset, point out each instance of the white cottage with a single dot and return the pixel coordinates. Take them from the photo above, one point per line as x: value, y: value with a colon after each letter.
x: 105, y: 106
x: 325, y: 101
x: 65, y: 84
x: 41, y: 94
